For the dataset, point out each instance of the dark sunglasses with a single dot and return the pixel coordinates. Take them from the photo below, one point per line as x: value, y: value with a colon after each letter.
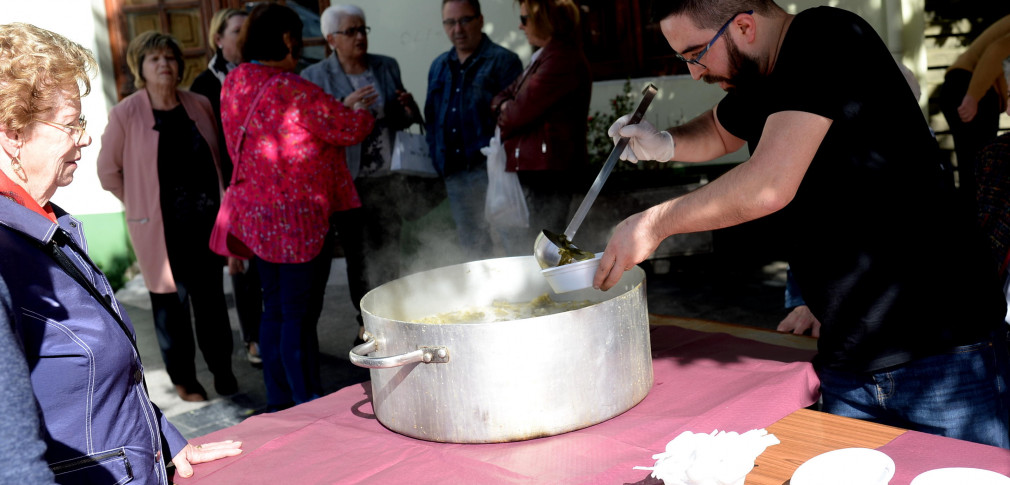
x: 523, y: 19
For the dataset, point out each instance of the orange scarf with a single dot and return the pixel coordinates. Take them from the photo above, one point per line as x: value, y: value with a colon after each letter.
x: 18, y: 194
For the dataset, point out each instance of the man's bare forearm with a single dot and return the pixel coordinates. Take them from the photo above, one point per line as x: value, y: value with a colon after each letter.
x: 702, y: 139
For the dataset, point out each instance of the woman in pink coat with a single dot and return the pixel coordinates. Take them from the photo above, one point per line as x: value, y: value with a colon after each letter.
x: 160, y: 157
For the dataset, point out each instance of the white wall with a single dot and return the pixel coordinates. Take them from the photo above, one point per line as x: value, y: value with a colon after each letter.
x: 411, y: 32
x: 413, y: 35
x: 83, y: 22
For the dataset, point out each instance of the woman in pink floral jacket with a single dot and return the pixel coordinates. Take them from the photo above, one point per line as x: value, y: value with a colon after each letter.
x: 285, y: 136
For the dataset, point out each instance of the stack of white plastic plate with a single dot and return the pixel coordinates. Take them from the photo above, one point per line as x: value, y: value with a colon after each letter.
x: 950, y: 476
x: 847, y: 466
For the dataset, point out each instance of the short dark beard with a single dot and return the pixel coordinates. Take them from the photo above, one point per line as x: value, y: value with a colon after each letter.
x: 744, y: 70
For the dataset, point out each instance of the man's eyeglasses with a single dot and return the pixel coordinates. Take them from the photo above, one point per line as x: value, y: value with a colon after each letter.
x: 82, y: 125
x: 696, y: 60
x: 353, y: 31
x: 462, y: 21
x: 523, y: 19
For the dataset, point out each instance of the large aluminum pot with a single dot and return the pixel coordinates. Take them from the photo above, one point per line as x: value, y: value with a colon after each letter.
x: 502, y: 381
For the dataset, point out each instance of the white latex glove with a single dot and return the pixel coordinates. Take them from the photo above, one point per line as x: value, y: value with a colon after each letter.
x: 645, y: 141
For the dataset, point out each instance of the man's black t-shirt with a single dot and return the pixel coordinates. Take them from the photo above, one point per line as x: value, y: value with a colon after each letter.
x: 873, y: 235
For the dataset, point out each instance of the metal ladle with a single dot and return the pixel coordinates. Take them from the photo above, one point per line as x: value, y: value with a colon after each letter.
x: 547, y: 247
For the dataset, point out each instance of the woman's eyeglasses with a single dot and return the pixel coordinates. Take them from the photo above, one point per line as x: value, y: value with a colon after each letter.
x: 79, y: 128
x: 353, y: 31
x: 523, y: 19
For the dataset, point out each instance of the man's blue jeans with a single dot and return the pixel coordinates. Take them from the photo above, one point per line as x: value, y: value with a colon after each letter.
x: 467, y: 191
x: 959, y: 394
x: 289, y: 344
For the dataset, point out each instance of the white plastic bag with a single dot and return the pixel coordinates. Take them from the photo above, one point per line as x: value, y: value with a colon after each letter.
x: 505, y: 205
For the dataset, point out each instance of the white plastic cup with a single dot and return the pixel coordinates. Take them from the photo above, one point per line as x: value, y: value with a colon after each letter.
x: 573, y: 276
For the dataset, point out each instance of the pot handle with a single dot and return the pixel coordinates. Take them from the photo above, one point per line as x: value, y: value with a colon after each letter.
x: 426, y: 354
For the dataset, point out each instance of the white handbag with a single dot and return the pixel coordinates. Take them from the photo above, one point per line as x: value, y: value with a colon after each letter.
x: 411, y: 155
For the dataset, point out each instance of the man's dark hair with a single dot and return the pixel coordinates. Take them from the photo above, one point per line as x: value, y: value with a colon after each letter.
x: 708, y: 14
x: 262, y: 35
x: 475, y: 4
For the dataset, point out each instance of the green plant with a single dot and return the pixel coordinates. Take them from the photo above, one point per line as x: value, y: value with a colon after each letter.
x: 600, y: 145
x: 118, y: 270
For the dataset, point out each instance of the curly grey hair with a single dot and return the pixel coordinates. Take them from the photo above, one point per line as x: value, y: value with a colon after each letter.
x: 333, y: 14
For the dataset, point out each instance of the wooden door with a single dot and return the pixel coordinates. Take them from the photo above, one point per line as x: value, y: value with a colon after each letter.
x: 187, y: 21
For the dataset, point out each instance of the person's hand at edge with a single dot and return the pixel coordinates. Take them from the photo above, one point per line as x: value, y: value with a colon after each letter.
x: 409, y: 105
x: 235, y: 266
x: 968, y: 108
x: 799, y: 321
x: 192, y: 455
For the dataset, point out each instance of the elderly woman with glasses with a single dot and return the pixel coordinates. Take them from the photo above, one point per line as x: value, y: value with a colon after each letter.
x: 543, y: 118
x: 160, y: 156
x: 286, y: 138
x: 371, y: 238
x: 75, y: 407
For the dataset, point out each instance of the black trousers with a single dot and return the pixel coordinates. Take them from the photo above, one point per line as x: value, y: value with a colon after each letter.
x: 248, y: 301
x: 370, y: 235
x: 201, y: 289
x: 970, y: 137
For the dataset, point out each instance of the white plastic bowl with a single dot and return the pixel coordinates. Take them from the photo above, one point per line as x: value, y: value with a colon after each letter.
x: 572, y: 276
x: 847, y: 466
x: 948, y: 476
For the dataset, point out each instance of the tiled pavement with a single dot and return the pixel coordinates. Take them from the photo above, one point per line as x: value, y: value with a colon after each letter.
x: 337, y: 330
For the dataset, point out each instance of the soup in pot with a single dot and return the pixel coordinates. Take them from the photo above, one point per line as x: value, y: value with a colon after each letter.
x: 503, y: 311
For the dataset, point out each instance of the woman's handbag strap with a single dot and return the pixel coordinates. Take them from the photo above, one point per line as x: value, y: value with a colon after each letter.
x: 245, y: 125
x: 61, y: 238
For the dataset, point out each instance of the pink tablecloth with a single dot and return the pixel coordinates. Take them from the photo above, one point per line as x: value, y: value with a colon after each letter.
x: 703, y: 381
x: 914, y: 453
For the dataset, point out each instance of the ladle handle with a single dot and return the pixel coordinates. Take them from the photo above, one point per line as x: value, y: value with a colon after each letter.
x: 647, y: 94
